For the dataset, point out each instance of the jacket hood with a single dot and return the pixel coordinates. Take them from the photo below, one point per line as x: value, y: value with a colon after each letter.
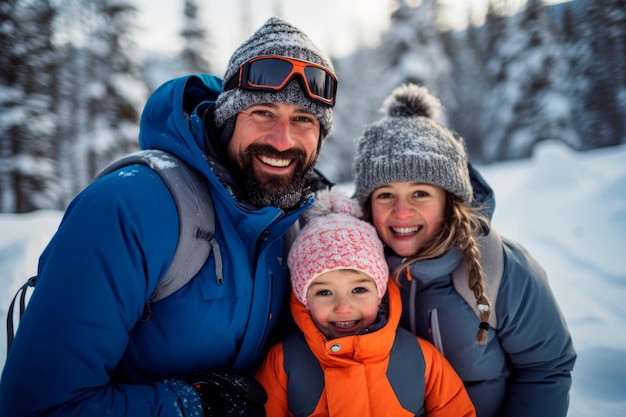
x: 165, y: 121
x: 483, y: 193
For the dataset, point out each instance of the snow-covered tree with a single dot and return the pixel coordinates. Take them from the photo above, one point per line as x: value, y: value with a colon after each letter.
x: 70, y: 97
x: 27, y: 116
x: 116, y: 95
x: 102, y: 94
x: 469, y: 86
x: 193, y: 56
x: 411, y: 50
x: 414, y: 52
x: 597, y: 54
x: 360, y: 95
x: 528, y: 102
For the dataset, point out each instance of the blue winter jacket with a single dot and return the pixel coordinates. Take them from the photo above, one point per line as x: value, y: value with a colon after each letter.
x: 82, y: 348
x: 525, y: 368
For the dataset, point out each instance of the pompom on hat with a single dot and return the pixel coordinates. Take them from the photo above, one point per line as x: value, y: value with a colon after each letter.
x: 275, y: 37
x: 335, y: 238
x: 408, y: 144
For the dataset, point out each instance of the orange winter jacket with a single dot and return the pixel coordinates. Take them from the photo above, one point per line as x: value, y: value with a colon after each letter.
x: 386, y: 373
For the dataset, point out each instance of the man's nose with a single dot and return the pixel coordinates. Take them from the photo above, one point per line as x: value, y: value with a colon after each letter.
x: 280, y: 135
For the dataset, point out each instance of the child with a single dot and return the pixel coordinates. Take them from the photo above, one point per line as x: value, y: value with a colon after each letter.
x: 508, y: 342
x: 351, y: 358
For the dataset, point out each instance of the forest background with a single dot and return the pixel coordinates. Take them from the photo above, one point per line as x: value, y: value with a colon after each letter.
x: 73, y: 83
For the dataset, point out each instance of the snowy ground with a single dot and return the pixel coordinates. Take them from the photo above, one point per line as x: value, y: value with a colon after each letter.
x: 568, y: 209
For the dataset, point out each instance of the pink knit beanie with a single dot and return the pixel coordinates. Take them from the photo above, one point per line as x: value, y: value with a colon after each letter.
x: 334, y: 238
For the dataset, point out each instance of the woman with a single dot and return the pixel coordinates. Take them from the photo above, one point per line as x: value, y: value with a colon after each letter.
x: 509, y: 343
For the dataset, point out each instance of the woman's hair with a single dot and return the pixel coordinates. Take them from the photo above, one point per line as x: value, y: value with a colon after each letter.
x: 462, y: 226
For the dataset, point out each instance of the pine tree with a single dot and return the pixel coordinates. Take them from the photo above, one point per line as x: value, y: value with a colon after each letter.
x: 27, y: 116
x: 528, y: 102
x: 359, y: 97
x: 196, y: 45
x: 414, y: 52
x: 411, y: 50
x: 469, y: 86
x: 599, y: 89
x: 99, y: 95
x: 114, y: 104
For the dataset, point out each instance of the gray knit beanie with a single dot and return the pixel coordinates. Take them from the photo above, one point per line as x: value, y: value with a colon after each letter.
x: 407, y: 144
x: 275, y: 37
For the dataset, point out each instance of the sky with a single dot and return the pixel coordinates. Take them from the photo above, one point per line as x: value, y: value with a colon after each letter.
x: 567, y: 209
x: 336, y: 26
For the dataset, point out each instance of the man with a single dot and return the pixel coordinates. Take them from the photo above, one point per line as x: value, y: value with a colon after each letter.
x: 89, y: 343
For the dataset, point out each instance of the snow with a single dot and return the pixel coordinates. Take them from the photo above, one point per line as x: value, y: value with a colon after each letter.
x: 567, y: 208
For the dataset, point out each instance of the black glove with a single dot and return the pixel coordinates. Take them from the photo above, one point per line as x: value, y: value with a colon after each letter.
x: 226, y: 395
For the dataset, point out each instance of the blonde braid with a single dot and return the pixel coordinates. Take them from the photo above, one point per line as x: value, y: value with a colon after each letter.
x: 469, y: 225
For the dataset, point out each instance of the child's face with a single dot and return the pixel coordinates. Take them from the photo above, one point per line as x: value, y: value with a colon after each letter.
x: 342, y: 302
x: 407, y: 214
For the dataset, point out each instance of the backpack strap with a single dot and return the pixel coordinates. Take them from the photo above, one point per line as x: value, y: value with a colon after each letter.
x: 492, y: 262
x: 22, y: 293
x: 196, y: 217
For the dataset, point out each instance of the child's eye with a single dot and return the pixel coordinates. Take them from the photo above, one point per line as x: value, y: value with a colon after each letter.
x: 360, y: 290
x: 323, y: 293
x: 383, y: 196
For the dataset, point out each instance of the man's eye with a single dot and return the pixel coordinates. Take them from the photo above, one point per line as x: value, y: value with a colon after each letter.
x: 304, y: 119
x: 261, y: 112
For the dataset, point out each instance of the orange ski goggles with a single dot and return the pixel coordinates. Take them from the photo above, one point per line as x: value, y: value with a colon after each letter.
x: 273, y: 73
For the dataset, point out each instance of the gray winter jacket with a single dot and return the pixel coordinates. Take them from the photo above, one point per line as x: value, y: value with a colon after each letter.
x: 525, y: 367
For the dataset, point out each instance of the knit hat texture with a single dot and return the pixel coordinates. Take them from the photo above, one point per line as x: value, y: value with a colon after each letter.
x: 275, y: 37
x: 408, y: 144
x: 334, y: 238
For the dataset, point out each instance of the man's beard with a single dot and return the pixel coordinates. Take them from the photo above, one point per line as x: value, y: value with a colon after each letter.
x: 283, y: 191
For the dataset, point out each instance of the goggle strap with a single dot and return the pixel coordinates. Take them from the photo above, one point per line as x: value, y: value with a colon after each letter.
x: 233, y: 82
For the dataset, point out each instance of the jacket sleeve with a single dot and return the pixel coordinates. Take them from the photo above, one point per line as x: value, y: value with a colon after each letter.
x: 94, y: 280
x: 272, y: 376
x: 445, y: 393
x: 534, y: 334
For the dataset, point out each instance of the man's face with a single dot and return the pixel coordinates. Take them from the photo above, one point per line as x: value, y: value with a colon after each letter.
x: 275, y: 146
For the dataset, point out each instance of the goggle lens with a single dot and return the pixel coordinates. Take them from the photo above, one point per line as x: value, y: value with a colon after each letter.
x: 268, y: 72
x: 320, y: 82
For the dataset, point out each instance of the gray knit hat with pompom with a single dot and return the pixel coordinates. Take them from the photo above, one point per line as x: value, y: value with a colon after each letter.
x: 407, y: 144
x: 275, y: 37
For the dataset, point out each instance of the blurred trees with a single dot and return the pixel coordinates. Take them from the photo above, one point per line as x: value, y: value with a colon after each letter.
x: 73, y: 84
x: 546, y: 72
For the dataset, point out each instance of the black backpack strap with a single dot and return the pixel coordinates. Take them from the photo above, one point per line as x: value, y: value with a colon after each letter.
x: 196, y: 217
x: 22, y: 293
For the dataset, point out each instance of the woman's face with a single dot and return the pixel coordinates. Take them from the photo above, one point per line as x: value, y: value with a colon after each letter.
x: 407, y: 215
